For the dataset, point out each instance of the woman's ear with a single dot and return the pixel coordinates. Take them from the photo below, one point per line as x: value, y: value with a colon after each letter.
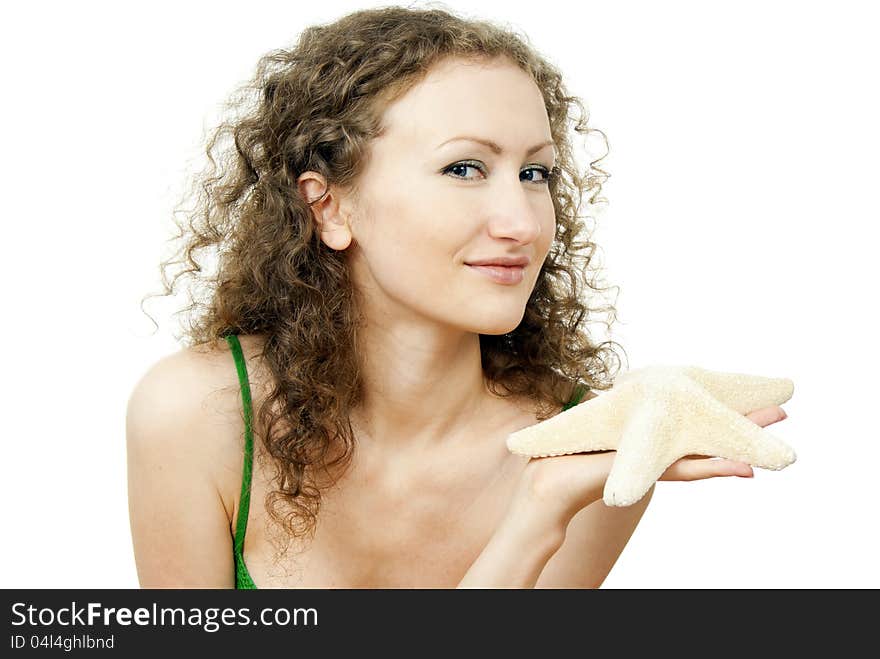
x: 326, y: 208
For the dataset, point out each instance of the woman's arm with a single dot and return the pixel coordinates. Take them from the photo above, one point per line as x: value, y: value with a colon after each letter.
x: 179, y: 526
x: 528, y: 536
x: 515, y: 555
x: 594, y: 540
x: 534, y: 550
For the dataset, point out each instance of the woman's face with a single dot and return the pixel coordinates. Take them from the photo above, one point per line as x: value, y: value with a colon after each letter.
x: 423, y: 214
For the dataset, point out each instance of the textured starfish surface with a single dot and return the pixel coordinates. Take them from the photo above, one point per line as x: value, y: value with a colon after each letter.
x: 655, y: 415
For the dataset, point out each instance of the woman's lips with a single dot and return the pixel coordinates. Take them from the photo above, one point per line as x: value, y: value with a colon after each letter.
x: 501, y: 274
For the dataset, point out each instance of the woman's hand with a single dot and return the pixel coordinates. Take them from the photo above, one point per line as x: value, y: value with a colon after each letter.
x: 554, y: 489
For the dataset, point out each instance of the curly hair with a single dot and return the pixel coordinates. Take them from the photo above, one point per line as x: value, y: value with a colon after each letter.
x: 315, y: 107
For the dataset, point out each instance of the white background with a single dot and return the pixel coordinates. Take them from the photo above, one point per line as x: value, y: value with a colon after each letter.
x: 741, y: 229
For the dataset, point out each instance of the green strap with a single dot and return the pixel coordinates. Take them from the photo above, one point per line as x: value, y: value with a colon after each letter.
x: 245, y: 499
x: 578, y: 394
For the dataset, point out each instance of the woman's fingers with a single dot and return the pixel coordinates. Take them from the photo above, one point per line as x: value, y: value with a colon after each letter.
x: 692, y: 468
x: 767, y: 415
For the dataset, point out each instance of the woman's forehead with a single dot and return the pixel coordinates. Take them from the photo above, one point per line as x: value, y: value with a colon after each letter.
x: 488, y: 101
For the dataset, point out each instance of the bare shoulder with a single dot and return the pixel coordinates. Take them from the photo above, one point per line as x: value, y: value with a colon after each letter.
x: 187, y: 384
x: 193, y: 397
x: 183, y: 443
x: 192, y: 376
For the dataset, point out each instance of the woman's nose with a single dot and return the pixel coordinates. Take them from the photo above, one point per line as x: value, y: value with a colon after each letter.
x: 515, y: 213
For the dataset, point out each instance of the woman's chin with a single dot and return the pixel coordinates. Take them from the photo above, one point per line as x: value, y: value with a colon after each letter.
x: 495, y: 328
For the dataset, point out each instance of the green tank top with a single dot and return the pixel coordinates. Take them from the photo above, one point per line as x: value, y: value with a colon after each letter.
x: 242, y: 576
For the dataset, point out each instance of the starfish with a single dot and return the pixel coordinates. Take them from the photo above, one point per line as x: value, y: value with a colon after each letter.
x: 653, y: 416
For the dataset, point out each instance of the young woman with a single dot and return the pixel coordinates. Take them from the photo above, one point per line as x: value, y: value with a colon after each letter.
x: 397, y: 289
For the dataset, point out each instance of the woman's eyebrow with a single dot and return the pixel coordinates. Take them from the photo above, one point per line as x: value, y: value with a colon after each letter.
x: 494, y: 146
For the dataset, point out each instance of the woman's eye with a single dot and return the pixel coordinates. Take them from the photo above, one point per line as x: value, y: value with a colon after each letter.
x: 459, y: 170
x: 546, y: 174
x: 463, y: 167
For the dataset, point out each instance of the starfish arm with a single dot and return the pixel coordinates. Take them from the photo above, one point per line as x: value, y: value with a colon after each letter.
x: 643, y: 453
x: 711, y: 428
x: 742, y: 392
x: 593, y: 425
